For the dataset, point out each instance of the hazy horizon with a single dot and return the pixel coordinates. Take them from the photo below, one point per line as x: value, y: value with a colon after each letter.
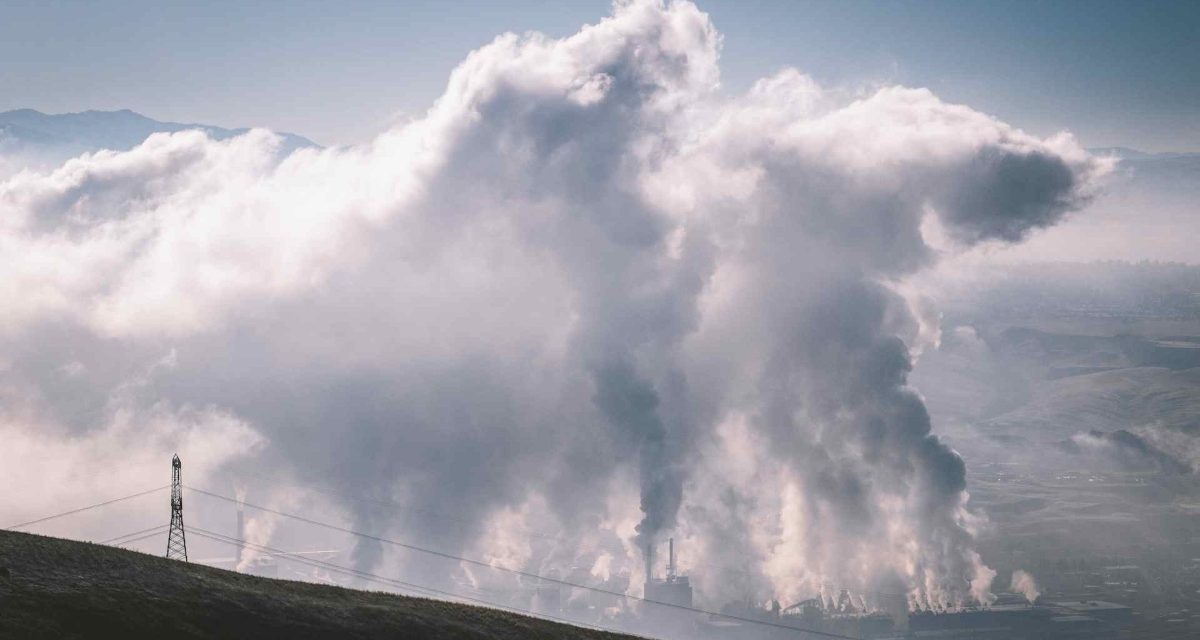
x: 1114, y: 73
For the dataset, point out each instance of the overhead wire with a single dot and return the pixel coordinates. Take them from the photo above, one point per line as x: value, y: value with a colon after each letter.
x: 527, y: 574
x: 448, y: 556
x: 366, y: 575
x: 232, y: 540
x: 423, y: 510
x: 149, y: 535
x: 128, y: 535
x: 87, y: 508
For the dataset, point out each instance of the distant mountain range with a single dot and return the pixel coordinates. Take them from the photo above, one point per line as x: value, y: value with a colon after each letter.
x: 29, y: 129
x: 66, y: 134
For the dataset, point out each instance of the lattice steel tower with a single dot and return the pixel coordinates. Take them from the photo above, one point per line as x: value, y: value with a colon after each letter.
x: 176, y: 542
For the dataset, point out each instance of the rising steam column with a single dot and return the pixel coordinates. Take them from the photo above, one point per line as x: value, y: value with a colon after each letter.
x: 176, y: 542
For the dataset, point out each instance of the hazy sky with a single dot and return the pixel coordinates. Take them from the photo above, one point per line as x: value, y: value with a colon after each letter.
x: 1115, y: 73
x: 586, y: 294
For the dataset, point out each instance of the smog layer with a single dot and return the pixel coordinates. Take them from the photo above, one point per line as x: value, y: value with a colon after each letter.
x: 588, y: 294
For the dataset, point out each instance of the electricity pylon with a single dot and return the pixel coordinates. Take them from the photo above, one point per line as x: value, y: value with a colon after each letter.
x: 176, y: 543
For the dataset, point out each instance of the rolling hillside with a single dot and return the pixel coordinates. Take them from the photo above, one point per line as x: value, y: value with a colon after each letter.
x: 54, y: 588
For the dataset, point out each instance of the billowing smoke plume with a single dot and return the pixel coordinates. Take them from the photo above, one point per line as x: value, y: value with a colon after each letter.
x: 1137, y: 451
x: 1024, y: 584
x: 585, y: 269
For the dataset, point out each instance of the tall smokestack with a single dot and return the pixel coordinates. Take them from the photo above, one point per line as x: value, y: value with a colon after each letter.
x: 670, y: 558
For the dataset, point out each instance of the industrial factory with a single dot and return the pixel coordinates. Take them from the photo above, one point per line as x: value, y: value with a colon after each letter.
x: 674, y: 589
x: 667, y: 610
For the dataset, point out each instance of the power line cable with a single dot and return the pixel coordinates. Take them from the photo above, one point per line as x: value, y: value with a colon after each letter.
x: 289, y: 556
x: 154, y: 529
x: 527, y: 574
x: 149, y: 535
x: 385, y: 580
x: 231, y: 540
x: 87, y: 508
x: 391, y: 503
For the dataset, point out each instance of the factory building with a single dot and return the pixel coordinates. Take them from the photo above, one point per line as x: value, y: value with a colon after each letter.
x: 673, y: 589
x: 880, y: 617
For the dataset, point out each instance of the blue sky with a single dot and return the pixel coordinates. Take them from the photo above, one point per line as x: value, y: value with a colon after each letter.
x: 1115, y: 73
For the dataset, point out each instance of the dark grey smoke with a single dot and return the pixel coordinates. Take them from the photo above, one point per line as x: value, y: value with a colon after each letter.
x: 1003, y: 195
x: 632, y: 404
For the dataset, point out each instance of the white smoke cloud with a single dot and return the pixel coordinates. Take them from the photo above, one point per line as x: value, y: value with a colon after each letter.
x: 1024, y: 584
x: 1182, y: 448
x: 258, y: 532
x: 46, y: 471
x: 584, y: 264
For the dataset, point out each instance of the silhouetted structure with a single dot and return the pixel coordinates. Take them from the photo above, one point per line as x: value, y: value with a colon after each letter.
x: 674, y: 589
x: 176, y: 542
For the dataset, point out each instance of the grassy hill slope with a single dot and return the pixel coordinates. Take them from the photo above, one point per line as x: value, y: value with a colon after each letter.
x: 54, y: 588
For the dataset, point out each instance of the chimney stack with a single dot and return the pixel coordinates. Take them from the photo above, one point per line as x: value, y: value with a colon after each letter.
x: 670, y: 558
